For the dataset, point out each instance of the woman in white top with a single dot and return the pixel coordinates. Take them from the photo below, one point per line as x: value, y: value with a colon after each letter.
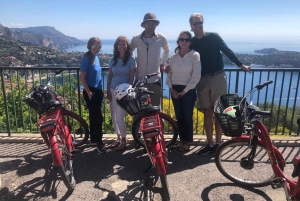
x: 184, y: 73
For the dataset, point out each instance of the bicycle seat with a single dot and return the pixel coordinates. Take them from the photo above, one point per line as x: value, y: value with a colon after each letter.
x: 149, y: 110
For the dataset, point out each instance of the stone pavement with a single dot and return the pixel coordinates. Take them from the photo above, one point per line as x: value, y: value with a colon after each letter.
x: 200, y: 140
x: 120, y: 175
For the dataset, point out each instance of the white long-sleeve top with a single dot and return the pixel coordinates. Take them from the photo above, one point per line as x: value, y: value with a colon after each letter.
x: 184, y: 70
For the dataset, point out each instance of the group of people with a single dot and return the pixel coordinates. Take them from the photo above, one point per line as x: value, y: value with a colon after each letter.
x: 195, y: 72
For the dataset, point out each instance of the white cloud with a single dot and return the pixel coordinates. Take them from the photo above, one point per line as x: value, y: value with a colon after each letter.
x: 13, y: 25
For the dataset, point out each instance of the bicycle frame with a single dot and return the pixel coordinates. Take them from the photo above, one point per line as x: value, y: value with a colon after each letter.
x: 291, y: 187
x: 51, y: 125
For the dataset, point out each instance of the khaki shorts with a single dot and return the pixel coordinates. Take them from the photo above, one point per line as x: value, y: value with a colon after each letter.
x: 209, y: 89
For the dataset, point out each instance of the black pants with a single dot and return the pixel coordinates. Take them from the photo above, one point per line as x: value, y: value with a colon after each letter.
x: 184, y: 107
x: 95, y: 115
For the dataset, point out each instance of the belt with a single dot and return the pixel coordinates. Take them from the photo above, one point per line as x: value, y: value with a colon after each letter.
x: 213, y: 74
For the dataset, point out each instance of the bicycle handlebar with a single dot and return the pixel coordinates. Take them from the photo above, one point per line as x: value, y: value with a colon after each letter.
x: 139, y: 84
x: 59, y: 71
x: 56, y: 72
x: 144, y: 78
x: 255, y: 109
x: 151, y: 75
x: 260, y: 86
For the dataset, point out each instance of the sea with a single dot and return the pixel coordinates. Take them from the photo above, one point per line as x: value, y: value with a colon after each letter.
x: 237, y: 47
x: 285, y: 87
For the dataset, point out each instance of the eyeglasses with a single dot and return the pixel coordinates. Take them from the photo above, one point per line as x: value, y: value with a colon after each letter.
x: 184, y: 39
x: 96, y: 46
x: 197, y: 23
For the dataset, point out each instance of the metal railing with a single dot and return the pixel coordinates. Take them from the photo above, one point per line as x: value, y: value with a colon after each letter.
x: 280, y: 97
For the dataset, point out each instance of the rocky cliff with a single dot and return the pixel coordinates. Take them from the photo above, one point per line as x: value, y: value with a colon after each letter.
x: 41, y: 36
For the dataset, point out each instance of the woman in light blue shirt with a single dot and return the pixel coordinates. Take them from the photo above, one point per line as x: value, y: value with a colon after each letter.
x: 122, y: 69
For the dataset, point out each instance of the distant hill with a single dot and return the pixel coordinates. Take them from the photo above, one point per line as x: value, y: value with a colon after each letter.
x: 274, y: 51
x: 41, y: 36
x: 18, y: 53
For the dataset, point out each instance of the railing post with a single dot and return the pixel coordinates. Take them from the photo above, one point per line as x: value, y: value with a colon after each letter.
x: 5, y: 103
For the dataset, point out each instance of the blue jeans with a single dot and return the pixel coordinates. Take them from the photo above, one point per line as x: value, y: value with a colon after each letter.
x: 184, y: 107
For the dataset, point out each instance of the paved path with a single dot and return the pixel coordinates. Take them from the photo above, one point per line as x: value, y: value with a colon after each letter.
x: 119, y: 176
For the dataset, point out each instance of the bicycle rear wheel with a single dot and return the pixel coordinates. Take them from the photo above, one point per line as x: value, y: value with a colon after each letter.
x: 77, y: 126
x: 66, y: 168
x: 169, y: 127
x: 230, y: 160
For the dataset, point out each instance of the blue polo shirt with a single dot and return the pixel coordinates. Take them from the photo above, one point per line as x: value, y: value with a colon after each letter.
x: 94, y: 72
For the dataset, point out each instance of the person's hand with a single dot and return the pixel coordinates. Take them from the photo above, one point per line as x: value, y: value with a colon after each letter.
x: 174, y: 93
x: 165, y: 68
x: 180, y: 94
x: 90, y: 94
x: 109, y: 95
x: 245, y: 68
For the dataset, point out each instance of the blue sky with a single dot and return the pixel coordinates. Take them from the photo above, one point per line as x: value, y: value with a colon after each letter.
x: 234, y: 20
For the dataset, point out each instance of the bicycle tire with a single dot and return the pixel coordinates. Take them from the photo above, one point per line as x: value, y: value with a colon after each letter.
x: 228, y: 160
x: 170, y: 130
x: 77, y: 126
x: 161, y: 167
x: 62, y: 160
x: 66, y: 168
x: 165, y: 188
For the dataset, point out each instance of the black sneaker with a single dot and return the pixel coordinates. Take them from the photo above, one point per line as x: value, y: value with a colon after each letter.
x: 215, y: 148
x: 205, y: 150
x: 93, y: 141
x: 100, y: 145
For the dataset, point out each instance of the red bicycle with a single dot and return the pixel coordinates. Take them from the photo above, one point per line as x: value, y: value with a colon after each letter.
x: 137, y: 101
x: 246, y: 160
x: 60, y: 128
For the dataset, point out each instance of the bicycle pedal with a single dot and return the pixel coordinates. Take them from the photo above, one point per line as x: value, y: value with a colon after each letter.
x: 277, y: 183
x: 52, y: 167
x: 75, y: 151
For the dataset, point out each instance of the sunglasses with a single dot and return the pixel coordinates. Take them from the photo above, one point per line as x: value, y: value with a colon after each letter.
x: 184, y: 39
x: 197, y: 23
x: 96, y: 46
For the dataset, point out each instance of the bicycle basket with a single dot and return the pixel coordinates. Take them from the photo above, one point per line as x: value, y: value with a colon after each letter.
x: 132, y: 103
x: 42, y: 99
x: 231, y: 126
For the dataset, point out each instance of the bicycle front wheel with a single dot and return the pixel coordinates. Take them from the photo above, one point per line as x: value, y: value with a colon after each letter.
x: 231, y: 160
x: 77, y: 126
x: 161, y: 166
x: 66, y: 168
x: 165, y: 188
x: 169, y: 127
